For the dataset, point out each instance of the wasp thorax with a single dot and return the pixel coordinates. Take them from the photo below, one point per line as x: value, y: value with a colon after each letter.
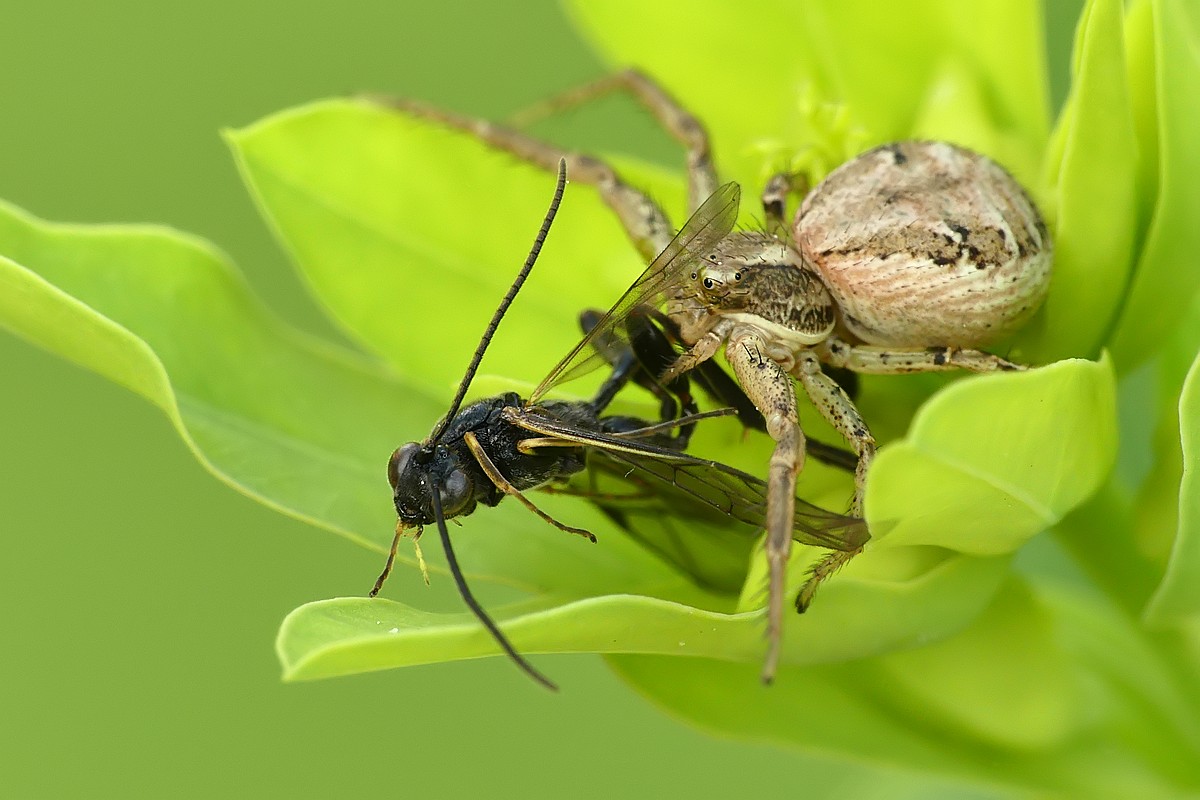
x: 926, y: 243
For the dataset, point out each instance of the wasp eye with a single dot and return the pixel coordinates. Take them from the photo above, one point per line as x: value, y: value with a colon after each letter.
x: 708, y: 283
x: 455, y: 492
x: 399, y: 462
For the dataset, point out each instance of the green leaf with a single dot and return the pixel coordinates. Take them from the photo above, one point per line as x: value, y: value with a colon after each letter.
x: 1139, y: 65
x: 832, y: 709
x: 349, y: 635
x: 396, y: 223
x: 998, y: 45
x: 293, y: 422
x: 1096, y: 201
x: 1168, y: 328
x: 955, y: 109
x: 1152, y: 707
x: 1167, y: 279
x: 1024, y: 701
x: 1178, y: 596
x: 97, y: 296
x: 992, y: 460
x: 1139, y: 742
x: 688, y: 64
x: 750, y: 80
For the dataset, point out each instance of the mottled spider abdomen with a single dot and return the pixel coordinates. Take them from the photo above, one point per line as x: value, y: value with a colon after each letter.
x: 926, y: 243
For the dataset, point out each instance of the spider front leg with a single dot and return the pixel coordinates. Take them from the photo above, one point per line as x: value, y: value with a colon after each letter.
x: 900, y: 360
x: 771, y: 390
x: 677, y: 121
x: 643, y: 220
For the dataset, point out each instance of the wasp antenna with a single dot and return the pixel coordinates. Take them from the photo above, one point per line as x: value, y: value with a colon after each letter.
x: 461, y: 582
x: 504, y: 304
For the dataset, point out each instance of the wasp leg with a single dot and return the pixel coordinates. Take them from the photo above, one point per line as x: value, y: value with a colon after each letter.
x: 387, y: 566
x: 644, y: 222
x: 531, y: 446
x: 401, y: 531
x: 639, y: 365
x: 496, y: 477
x: 655, y: 354
x: 839, y: 410
x: 420, y: 556
x: 771, y: 390
x: 679, y: 123
x: 657, y: 333
x: 897, y: 361
x: 595, y: 495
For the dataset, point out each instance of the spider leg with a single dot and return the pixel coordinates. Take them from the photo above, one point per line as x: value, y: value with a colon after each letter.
x: 770, y: 388
x: 900, y: 360
x: 644, y: 221
x: 677, y: 121
x: 839, y: 410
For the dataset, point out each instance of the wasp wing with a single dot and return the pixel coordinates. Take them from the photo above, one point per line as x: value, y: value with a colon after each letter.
x: 711, y: 223
x: 741, y: 496
x: 719, y: 486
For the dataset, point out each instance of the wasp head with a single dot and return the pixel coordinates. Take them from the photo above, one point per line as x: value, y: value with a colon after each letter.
x: 416, y: 470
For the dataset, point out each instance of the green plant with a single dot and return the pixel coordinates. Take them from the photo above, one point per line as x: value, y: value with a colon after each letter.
x: 934, y: 651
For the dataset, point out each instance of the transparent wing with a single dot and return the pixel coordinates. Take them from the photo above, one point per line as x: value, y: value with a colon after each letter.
x: 719, y: 486
x: 738, y: 495
x: 711, y: 223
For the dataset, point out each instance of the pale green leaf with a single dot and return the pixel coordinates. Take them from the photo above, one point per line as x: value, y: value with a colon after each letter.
x: 858, y: 617
x: 1139, y: 742
x: 1024, y: 701
x: 1096, y: 201
x: 293, y: 422
x: 992, y: 460
x: 1167, y: 277
x: 1178, y: 596
x: 754, y: 72
x: 410, y: 234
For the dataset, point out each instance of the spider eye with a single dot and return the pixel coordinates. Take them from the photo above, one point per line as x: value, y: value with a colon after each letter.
x: 695, y: 275
x: 399, y: 462
x: 737, y: 276
x: 708, y: 283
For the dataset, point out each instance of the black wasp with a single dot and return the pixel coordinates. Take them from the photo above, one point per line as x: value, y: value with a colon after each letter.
x: 505, y: 445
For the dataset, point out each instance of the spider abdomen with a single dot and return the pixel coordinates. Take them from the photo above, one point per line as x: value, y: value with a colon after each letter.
x: 926, y: 243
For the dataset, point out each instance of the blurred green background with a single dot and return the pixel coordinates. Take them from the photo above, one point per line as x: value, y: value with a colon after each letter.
x: 140, y: 596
